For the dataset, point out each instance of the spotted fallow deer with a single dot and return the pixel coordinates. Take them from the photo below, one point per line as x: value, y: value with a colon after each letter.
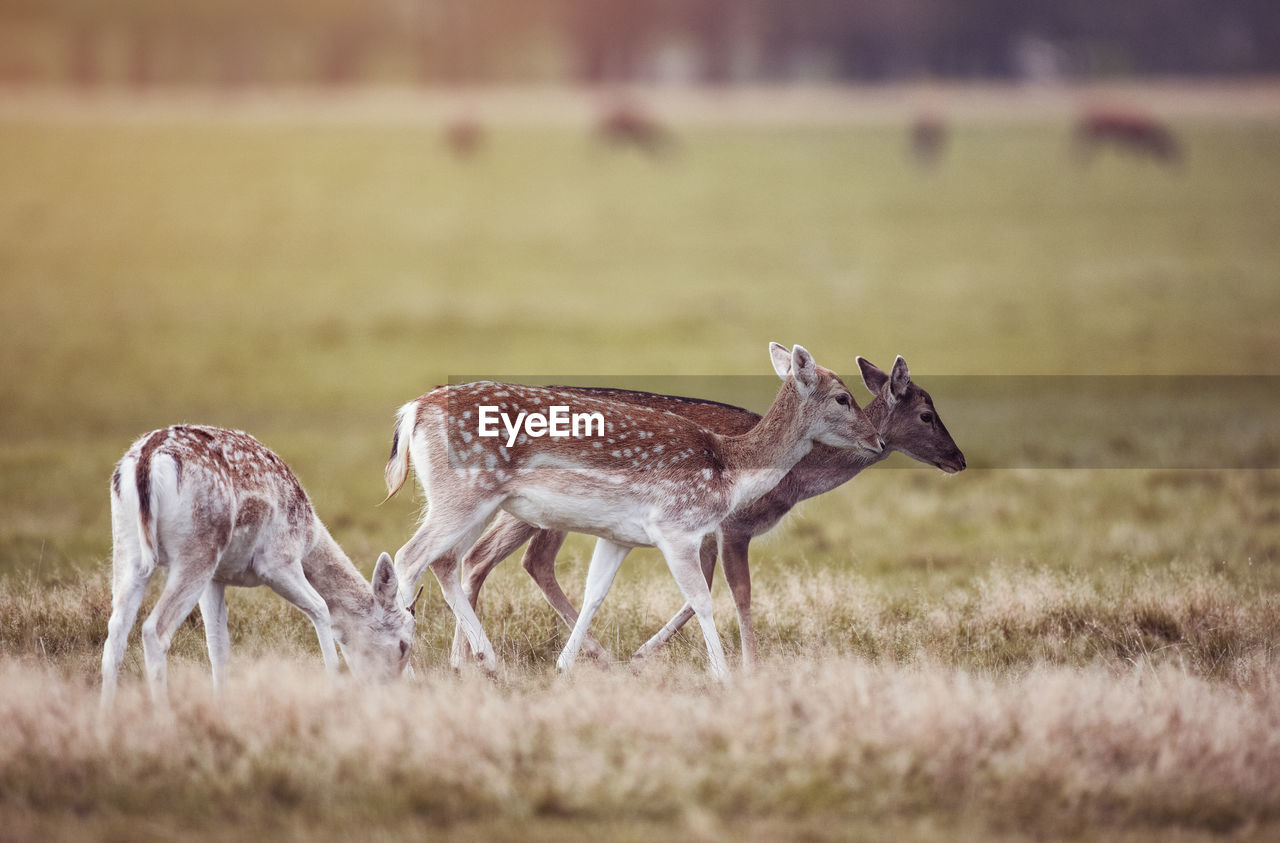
x: 652, y: 478
x: 217, y: 508
x: 902, y: 412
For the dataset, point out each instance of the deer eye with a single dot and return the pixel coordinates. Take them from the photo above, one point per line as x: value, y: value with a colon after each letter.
x: 842, y: 400
x: 927, y: 418
x: 404, y: 648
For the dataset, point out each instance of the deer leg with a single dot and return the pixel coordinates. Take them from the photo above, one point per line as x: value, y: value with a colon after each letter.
x: 605, y: 561
x: 540, y: 562
x: 181, y: 592
x: 126, y: 597
x: 683, y: 558
x: 290, y: 583
x: 496, y: 544
x: 682, y: 617
x: 733, y: 552
x: 213, y: 611
x: 437, y: 544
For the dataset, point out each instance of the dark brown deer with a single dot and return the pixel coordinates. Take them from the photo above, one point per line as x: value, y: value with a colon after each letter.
x: 646, y: 477
x: 903, y: 414
x: 1125, y: 129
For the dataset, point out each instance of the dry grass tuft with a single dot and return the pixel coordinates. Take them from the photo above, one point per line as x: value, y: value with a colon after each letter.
x: 1033, y: 702
x: 1049, y: 750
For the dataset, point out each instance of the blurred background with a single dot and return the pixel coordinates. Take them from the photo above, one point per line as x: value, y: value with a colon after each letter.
x: 144, y: 43
x: 292, y: 217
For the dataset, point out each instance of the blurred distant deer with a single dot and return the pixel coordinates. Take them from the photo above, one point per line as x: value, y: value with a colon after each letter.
x: 928, y: 138
x: 464, y: 136
x: 626, y: 123
x: 1125, y: 129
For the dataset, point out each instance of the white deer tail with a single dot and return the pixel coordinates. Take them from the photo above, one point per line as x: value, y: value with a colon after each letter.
x: 398, y: 463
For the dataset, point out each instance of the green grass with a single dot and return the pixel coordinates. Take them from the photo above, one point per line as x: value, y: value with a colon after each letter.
x: 302, y: 280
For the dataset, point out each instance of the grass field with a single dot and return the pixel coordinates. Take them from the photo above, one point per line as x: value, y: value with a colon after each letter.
x: 1033, y: 652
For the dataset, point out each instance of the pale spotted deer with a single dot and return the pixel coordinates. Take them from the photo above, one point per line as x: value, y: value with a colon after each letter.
x: 902, y: 412
x: 654, y: 478
x: 217, y: 508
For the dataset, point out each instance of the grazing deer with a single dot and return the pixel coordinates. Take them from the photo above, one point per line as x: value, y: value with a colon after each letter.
x: 626, y: 123
x: 652, y: 478
x: 217, y: 508
x: 928, y: 137
x: 464, y: 136
x: 1139, y: 133
x: 902, y: 412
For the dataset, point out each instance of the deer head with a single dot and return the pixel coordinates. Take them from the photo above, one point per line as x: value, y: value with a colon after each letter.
x: 833, y: 416
x: 378, y: 647
x: 910, y: 423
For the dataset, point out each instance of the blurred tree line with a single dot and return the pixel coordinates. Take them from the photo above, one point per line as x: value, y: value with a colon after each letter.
x: 335, y: 42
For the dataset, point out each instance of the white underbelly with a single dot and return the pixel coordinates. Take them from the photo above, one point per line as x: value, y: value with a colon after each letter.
x: 625, y: 525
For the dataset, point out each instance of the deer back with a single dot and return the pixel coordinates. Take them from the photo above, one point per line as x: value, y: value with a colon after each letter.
x: 212, y: 488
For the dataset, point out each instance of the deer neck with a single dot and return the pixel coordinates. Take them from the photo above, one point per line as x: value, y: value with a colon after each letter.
x: 346, y: 593
x: 827, y: 467
x: 761, y: 457
x: 877, y: 411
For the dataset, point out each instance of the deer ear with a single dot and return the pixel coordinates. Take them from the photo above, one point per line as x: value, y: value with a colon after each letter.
x: 385, y: 586
x: 781, y: 359
x: 900, y: 378
x: 872, y: 375
x: 804, y: 369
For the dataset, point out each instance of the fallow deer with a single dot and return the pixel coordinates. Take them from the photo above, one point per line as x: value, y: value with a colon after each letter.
x: 652, y: 478
x: 627, y: 123
x: 928, y: 137
x: 217, y: 508
x: 1125, y: 129
x: 902, y: 412
x: 465, y: 136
